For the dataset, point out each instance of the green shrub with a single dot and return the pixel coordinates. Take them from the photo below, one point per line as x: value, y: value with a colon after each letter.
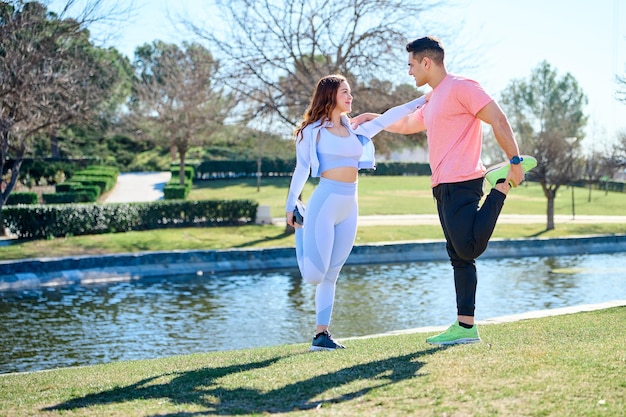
x: 85, y: 186
x: 22, y: 198
x: 175, y: 192
x: 67, y: 186
x: 189, y: 172
x: 70, y: 197
x: 279, y: 167
x: 45, y: 221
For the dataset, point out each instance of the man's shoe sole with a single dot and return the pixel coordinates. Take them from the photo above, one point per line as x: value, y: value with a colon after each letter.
x: 464, y: 341
x: 528, y: 163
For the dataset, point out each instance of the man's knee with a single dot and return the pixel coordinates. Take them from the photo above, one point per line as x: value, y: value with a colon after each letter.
x: 468, y: 252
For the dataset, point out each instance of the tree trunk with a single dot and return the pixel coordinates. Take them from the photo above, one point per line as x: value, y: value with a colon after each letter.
x: 3, y: 230
x: 54, y: 144
x: 550, y: 194
x: 8, y: 187
x: 181, y: 172
x: 550, y: 225
x: 258, y: 174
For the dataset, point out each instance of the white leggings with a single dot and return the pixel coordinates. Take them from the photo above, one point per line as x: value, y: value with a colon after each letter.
x: 326, y: 240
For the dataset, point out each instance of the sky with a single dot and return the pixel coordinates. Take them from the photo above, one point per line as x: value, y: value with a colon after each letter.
x: 584, y: 38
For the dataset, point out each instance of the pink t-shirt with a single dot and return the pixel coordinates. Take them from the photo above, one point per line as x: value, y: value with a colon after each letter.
x: 453, y: 130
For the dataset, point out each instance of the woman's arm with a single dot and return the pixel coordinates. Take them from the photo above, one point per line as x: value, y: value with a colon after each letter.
x: 370, y: 124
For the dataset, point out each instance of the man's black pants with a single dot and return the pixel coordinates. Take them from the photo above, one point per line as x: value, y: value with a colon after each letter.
x: 467, y: 228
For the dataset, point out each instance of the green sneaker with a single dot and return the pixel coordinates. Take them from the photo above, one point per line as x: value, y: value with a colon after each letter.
x: 455, y: 335
x: 501, y: 170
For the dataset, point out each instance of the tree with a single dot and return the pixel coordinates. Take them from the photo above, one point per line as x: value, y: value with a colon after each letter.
x: 274, y: 52
x: 614, y: 160
x: 50, y: 77
x: 177, y: 100
x: 546, y: 113
x: 86, y: 137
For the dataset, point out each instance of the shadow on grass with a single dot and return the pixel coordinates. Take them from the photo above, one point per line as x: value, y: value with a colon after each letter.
x: 202, y: 388
x: 539, y: 234
x: 265, y: 239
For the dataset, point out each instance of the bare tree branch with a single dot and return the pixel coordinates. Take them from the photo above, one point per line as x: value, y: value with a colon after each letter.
x: 177, y: 100
x: 274, y: 51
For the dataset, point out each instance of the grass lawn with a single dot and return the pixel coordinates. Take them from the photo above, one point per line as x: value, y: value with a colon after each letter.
x: 412, y: 195
x: 570, y: 365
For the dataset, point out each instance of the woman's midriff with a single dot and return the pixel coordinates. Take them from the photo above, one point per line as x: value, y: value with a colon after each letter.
x: 342, y: 174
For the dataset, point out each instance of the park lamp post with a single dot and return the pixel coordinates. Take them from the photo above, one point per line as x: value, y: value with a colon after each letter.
x: 571, y: 141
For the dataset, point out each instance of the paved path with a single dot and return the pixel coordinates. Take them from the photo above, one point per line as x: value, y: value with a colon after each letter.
x: 504, y: 218
x: 138, y: 186
x: 430, y: 219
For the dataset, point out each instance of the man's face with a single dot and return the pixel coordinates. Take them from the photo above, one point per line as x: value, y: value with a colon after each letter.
x: 417, y: 69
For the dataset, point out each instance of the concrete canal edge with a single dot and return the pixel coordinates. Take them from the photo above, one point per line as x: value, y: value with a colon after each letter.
x: 84, y: 270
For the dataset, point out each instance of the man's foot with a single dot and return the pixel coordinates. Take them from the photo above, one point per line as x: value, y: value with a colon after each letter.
x: 455, y: 335
x: 324, y: 341
x: 500, y: 171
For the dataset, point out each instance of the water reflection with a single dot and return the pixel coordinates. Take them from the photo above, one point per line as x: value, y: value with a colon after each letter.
x: 81, y: 325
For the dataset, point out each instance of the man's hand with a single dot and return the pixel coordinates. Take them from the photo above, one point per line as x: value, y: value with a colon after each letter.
x: 515, y: 175
x: 362, y: 118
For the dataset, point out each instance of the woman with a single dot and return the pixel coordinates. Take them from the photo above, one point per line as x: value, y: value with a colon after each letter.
x: 328, y: 147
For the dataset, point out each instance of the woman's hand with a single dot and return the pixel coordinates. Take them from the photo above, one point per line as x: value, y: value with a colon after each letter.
x: 290, y: 222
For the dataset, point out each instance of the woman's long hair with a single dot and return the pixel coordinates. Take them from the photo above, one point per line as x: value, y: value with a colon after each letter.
x: 323, y: 102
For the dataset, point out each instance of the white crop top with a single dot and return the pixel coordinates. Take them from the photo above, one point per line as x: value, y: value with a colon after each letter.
x: 313, y: 157
x: 337, y: 151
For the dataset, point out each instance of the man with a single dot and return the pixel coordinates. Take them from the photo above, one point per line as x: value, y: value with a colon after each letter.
x: 452, y: 119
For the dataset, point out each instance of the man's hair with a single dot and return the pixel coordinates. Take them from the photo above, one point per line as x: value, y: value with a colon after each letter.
x: 429, y: 46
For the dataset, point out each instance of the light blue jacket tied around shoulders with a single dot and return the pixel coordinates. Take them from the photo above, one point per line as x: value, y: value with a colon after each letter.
x: 307, y: 161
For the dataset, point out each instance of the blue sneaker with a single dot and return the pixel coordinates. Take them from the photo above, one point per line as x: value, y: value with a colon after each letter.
x: 498, y: 173
x: 324, y: 341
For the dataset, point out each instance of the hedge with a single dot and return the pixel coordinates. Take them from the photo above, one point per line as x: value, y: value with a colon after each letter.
x: 47, y: 221
x: 208, y: 170
x: 22, y: 198
x: 173, y: 190
x: 77, y: 196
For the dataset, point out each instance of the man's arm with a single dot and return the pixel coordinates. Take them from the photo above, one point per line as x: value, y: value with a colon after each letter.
x: 493, y: 115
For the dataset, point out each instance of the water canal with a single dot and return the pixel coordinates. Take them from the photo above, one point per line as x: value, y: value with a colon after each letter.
x: 54, y: 327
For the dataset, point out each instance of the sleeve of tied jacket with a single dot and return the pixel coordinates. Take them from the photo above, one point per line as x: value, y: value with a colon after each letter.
x: 377, y: 125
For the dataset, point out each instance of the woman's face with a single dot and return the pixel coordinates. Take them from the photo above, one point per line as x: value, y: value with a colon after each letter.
x: 344, y: 98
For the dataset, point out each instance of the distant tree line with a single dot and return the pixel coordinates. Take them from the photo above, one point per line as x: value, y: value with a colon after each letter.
x: 237, y: 94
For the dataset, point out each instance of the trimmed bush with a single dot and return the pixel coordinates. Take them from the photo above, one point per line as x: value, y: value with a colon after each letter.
x: 175, y: 191
x: 277, y: 168
x: 85, y: 186
x: 45, y: 221
x: 22, y: 198
x: 189, y: 172
x: 69, y: 197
